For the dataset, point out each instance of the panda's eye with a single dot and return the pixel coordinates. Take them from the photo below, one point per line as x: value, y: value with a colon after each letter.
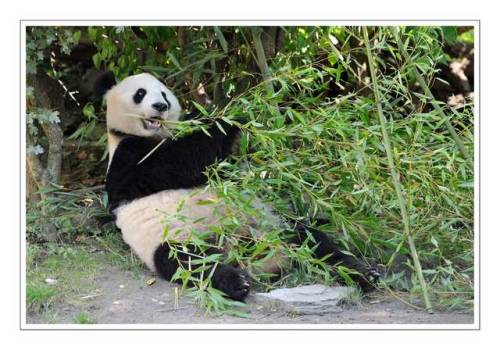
x: 139, y: 95
x: 165, y: 98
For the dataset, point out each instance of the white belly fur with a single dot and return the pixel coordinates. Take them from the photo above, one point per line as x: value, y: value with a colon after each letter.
x: 142, y: 221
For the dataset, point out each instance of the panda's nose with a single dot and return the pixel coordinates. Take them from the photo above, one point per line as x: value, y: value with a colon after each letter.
x: 160, y: 107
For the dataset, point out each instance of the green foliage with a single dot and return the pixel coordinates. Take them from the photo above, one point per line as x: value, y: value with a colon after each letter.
x: 41, y: 40
x: 324, y: 160
x: 35, y: 118
x: 66, y: 213
x: 39, y: 296
x: 467, y: 37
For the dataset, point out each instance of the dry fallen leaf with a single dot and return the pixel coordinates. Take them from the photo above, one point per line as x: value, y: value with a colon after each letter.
x: 82, y: 155
x: 89, y: 182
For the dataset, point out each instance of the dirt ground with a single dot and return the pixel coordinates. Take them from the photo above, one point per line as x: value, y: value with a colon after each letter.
x: 122, y: 298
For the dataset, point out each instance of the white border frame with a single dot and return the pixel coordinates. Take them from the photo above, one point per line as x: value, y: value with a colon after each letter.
x: 298, y: 326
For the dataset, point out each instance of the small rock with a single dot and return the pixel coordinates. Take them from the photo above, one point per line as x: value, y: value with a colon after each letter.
x: 49, y: 232
x: 120, y: 306
x: 50, y: 281
x: 161, y: 303
x: 314, y: 299
x: 122, y: 286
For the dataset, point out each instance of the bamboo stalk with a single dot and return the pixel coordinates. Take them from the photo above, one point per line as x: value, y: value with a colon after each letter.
x: 428, y: 94
x: 395, y: 175
x: 261, y: 58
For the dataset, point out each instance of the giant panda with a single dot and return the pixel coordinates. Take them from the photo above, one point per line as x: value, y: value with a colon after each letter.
x: 150, y: 173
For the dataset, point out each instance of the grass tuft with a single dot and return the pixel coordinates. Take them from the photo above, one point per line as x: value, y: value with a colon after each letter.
x: 83, y: 318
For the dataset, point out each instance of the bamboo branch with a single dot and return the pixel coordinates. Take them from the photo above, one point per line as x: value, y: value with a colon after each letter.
x: 430, y: 96
x: 395, y: 175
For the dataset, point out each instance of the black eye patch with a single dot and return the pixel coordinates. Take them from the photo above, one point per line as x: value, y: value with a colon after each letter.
x: 165, y: 98
x: 139, y: 95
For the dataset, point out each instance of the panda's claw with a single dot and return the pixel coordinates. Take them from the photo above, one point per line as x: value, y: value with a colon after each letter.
x: 369, y: 279
x: 373, y: 275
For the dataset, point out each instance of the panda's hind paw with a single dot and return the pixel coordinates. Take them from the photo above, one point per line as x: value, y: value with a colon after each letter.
x: 368, y: 279
x: 233, y: 281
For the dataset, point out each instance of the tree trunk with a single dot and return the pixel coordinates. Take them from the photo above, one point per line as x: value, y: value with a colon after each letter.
x: 49, y: 95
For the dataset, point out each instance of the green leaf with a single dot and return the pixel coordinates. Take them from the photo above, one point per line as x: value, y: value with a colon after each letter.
x: 155, y: 69
x: 450, y: 34
x: 35, y: 150
x: 174, y: 60
x: 76, y: 36
x: 29, y: 91
x: 96, y: 58
x: 206, y: 202
x: 92, y: 33
x: 88, y: 110
x: 205, y: 131
x: 221, y: 38
x: 200, y: 108
x: 220, y: 128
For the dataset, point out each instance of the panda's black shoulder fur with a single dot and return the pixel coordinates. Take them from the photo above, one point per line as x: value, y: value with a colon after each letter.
x: 175, y: 164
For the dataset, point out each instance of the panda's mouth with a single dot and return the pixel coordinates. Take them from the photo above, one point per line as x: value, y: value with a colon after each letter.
x: 152, y: 123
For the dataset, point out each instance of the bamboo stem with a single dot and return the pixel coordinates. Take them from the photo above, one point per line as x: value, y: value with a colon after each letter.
x: 395, y: 175
x: 261, y: 58
x: 430, y: 96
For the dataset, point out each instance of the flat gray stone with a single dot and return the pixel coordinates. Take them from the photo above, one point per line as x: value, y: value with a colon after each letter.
x: 315, y: 299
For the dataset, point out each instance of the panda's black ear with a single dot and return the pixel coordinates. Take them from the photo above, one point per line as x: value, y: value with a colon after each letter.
x: 102, y: 84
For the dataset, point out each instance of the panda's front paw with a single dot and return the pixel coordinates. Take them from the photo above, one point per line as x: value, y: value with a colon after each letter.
x: 233, y: 281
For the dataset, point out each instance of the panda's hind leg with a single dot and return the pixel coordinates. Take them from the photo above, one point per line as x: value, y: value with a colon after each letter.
x: 231, y: 280
x: 366, y: 276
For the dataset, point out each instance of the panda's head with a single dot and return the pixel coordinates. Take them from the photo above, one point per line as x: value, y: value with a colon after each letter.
x: 137, y: 105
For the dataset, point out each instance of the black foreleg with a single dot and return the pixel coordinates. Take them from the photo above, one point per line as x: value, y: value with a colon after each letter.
x: 366, y: 277
x: 231, y: 280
